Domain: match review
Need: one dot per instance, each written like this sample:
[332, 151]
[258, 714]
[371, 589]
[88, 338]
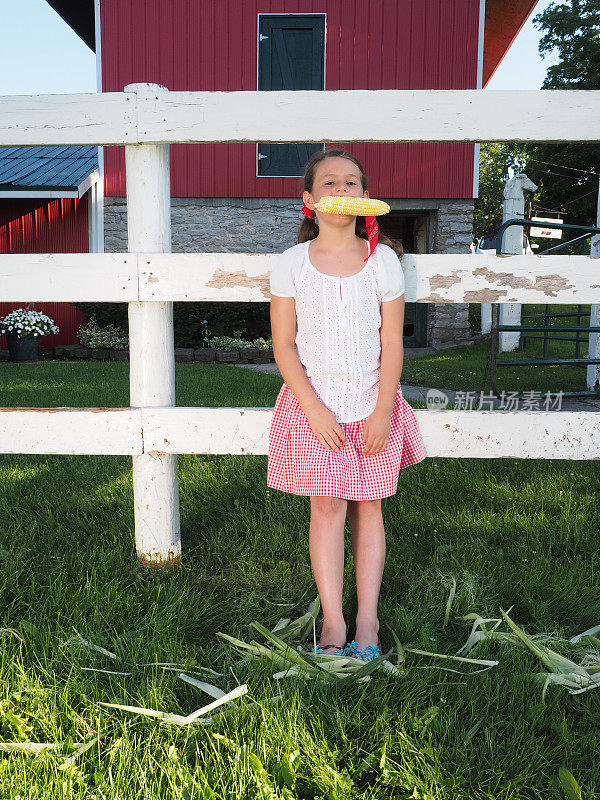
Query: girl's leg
[368, 545]
[326, 545]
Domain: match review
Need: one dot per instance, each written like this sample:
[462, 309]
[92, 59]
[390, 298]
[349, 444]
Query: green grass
[512, 533]
[464, 368]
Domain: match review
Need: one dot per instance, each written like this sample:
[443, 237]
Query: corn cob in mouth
[353, 206]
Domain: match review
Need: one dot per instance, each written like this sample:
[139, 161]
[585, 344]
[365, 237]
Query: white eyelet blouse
[337, 325]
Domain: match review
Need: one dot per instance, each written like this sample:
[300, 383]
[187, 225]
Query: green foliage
[250, 320]
[93, 336]
[235, 343]
[494, 160]
[566, 174]
[569, 785]
[572, 29]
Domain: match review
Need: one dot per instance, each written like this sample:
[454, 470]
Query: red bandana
[308, 212]
[373, 232]
[371, 223]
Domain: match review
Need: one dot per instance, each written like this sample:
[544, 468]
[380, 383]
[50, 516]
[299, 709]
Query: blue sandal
[362, 654]
[319, 650]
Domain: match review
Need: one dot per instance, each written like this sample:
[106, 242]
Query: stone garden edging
[247, 355]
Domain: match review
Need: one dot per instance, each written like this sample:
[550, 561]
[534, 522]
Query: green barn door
[291, 56]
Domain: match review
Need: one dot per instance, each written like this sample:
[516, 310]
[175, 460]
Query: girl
[341, 429]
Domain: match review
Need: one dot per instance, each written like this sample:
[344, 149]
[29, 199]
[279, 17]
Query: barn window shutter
[291, 56]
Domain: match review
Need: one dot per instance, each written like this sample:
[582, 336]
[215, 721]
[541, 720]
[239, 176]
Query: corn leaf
[95, 647]
[480, 661]
[213, 691]
[449, 603]
[29, 748]
[81, 748]
[554, 661]
[476, 635]
[164, 716]
[364, 670]
[589, 632]
[296, 656]
[302, 626]
[292, 672]
[104, 671]
[226, 698]
[400, 657]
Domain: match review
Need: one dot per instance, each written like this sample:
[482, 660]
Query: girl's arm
[283, 330]
[392, 353]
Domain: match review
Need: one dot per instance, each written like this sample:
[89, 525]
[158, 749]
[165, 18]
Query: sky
[40, 54]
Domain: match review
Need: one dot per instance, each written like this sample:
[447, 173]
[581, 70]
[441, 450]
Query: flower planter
[23, 348]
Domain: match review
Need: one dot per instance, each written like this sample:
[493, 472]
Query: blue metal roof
[48, 167]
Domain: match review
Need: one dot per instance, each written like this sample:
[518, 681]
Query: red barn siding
[370, 44]
[45, 226]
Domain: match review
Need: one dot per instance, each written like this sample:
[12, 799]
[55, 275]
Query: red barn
[247, 197]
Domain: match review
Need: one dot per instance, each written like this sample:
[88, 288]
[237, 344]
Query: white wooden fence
[146, 118]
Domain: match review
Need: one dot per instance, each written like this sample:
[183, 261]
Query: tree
[495, 158]
[567, 173]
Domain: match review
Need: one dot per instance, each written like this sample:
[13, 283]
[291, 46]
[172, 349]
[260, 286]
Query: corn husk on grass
[295, 661]
[352, 206]
[198, 717]
[561, 670]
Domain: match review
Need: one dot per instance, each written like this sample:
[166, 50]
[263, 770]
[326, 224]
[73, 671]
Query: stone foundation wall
[448, 323]
[216, 224]
[270, 225]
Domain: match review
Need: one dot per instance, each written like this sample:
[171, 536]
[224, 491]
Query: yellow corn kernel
[353, 206]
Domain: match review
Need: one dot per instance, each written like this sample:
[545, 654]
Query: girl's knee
[364, 506]
[330, 506]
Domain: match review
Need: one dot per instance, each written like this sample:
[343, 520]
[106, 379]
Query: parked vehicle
[486, 245]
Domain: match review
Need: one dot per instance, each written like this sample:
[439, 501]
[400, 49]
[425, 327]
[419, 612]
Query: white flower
[23, 322]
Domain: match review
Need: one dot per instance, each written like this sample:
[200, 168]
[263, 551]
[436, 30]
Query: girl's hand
[376, 432]
[326, 428]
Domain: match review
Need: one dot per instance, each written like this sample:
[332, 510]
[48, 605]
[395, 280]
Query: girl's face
[335, 176]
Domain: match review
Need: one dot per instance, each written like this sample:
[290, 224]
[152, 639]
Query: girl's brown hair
[309, 228]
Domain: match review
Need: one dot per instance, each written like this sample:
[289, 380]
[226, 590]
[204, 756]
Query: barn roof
[62, 170]
[79, 15]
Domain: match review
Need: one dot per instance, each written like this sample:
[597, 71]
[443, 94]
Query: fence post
[512, 208]
[151, 346]
[593, 371]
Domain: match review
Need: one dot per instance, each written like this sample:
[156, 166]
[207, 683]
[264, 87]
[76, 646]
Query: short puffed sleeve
[282, 276]
[391, 275]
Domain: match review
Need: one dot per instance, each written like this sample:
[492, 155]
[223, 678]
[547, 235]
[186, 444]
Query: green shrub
[250, 320]
[95, 337]
[237, 343]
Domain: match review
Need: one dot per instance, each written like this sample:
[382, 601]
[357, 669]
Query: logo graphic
[436, 399]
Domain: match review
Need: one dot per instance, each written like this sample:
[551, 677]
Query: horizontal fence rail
[380, 115]
[244, 431]
[244, 277]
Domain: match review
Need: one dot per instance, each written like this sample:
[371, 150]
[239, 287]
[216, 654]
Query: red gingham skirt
[298, 463]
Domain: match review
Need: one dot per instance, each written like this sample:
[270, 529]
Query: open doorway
[413, 230]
